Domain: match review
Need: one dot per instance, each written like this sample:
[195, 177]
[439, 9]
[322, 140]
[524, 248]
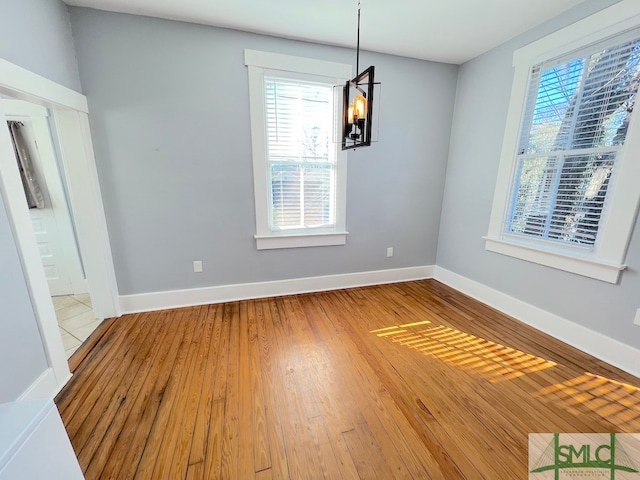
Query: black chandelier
[357, 114]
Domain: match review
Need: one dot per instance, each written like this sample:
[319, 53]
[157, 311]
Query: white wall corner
[589, 341]
[147, 302]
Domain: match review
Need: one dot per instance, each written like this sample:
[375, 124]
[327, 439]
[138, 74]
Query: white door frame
[70, 113]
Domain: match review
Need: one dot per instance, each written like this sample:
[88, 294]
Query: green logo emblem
[584, 455]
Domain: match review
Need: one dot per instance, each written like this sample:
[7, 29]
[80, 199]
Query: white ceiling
[451, 31]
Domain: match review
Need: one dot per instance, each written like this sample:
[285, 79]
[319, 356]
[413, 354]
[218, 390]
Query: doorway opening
[68, 112]
[46, 193]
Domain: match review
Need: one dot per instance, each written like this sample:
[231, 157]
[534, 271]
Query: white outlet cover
[197, 266]
[636, 321]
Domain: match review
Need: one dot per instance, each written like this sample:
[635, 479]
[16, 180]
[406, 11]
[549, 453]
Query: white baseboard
[147, 302]
[45, 386]
[80, 287]
[600, 346]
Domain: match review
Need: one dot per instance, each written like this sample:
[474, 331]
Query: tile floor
[75, 320]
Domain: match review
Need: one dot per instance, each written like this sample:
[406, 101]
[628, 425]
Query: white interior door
[52, 225]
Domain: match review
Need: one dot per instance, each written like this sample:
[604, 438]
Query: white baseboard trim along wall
[147, 302]
[45, 386]
[600, 346]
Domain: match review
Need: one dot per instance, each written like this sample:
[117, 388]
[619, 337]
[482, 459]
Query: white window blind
[575, 124]
[301, 156]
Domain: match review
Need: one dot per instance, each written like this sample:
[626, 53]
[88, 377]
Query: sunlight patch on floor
[618, 402]
[463, 350]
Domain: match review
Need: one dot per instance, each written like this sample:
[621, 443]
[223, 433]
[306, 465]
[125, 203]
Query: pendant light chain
[358, 44]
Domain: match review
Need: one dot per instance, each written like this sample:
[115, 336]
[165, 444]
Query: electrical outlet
[636, 321]
[197, 266]
[390, 252]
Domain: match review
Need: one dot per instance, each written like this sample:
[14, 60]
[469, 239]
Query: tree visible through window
[575, 124]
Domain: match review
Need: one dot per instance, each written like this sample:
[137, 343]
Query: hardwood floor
[410, 380]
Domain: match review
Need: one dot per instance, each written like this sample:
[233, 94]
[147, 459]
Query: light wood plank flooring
[410, 380]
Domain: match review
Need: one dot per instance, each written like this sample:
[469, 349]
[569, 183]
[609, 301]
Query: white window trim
[336, 73]
[605, 261]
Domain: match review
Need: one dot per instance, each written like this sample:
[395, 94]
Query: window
[575, 124]
[299, 168]
[562, 199]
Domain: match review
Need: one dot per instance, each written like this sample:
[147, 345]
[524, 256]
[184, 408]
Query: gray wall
[22, 357]
[484, 87]
[170, 122]
[36, 35]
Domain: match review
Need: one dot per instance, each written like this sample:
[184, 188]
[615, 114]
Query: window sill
[585, 266]
[274, 241]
